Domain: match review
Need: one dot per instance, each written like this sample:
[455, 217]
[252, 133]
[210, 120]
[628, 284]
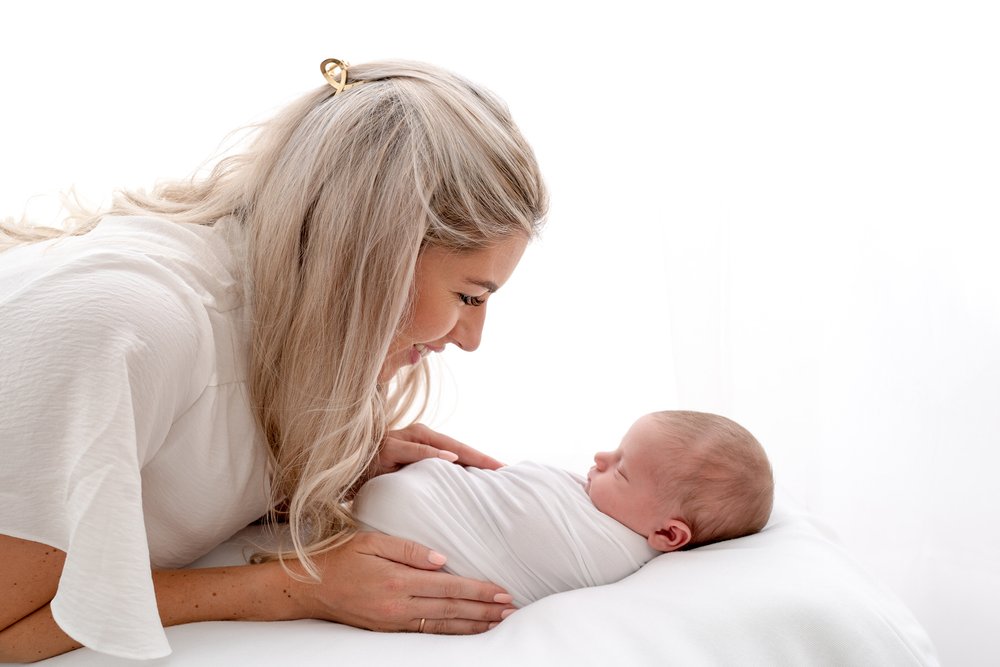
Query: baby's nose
[601, 459]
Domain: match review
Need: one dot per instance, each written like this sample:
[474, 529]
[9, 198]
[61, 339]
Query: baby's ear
[672, 535]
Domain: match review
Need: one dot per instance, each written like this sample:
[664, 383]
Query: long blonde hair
[337, 195]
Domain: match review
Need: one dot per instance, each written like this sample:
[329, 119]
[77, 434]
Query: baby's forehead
[652, 443]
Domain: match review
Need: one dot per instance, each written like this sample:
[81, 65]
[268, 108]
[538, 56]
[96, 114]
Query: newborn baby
[679, 479]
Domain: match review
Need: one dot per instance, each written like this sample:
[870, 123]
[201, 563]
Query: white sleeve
[97, 357]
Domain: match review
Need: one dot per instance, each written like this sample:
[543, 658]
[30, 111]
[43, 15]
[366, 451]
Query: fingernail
[507, 612]
[447, 456]
[491, 626]
[437, 558]
[503, 598]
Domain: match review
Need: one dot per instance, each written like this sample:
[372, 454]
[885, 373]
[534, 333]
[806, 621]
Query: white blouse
[126, 437]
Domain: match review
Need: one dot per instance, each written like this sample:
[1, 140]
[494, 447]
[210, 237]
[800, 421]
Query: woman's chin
[396, 361]
[390, 369]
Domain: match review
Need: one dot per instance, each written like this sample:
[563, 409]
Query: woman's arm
[28, 580]
[183, 596]
[375, 581]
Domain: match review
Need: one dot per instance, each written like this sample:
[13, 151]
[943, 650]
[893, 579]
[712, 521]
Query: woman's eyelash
[472, 300]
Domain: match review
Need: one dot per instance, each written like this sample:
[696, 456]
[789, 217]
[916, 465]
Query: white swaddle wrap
[528, 527]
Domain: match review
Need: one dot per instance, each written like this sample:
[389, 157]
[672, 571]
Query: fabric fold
[126, 438]
[529, 528]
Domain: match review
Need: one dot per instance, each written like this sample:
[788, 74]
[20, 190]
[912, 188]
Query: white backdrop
[774, 210]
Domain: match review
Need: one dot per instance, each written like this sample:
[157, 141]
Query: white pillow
[789, 595]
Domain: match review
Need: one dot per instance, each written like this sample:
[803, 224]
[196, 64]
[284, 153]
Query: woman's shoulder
[145, 293]
[130, 254]
[205, 258]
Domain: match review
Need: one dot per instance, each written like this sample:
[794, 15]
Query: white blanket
[529, 528]
[790, 595]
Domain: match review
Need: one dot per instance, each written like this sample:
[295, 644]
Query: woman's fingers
[458, 617]
[453, 626]
[467, 456]
[406, 552]
[442, 608]
[438, 594]
[438, 443]
[430, 585]
[386, 583]
[396, 453]
[450, 587]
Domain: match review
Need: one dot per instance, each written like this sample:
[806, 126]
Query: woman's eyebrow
[487, 285]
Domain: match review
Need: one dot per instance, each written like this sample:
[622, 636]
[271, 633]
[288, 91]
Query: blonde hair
[338, 194]
[716, 476]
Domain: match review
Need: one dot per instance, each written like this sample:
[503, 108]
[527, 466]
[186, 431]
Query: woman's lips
[419, 350]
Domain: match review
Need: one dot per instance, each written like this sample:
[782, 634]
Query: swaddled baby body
[529, 528]
[679, 479]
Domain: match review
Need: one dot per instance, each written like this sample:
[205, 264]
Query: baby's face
[622, 483]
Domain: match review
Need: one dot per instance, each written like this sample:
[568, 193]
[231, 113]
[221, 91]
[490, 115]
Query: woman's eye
[472, 300]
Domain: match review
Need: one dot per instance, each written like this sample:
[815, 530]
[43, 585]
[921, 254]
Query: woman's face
[451, 289]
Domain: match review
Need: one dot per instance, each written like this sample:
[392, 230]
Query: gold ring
[421, 628]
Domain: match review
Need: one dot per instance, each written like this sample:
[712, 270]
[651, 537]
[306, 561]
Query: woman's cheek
[434, 323]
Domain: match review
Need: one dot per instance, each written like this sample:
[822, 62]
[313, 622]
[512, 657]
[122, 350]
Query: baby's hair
[720, 478]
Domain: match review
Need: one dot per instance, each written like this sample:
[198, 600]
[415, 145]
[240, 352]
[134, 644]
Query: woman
[223, 347]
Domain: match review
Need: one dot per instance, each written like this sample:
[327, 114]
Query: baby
[678, 480]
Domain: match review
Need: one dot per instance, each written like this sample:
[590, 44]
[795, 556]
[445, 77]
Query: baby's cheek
[599, 496]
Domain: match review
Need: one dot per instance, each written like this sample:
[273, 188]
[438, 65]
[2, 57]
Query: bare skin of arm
[375, 581]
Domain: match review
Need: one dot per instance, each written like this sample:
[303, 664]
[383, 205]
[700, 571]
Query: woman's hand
[417, 442]
[389, 584]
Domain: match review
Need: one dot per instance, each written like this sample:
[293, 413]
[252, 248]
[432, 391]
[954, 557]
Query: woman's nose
[468, 331]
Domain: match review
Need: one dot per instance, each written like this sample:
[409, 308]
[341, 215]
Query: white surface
[789, 595]
[778, 210]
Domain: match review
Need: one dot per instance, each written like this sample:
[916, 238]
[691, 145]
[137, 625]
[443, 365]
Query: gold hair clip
[335, 72]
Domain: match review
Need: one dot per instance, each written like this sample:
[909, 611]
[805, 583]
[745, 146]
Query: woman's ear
[672, 535]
